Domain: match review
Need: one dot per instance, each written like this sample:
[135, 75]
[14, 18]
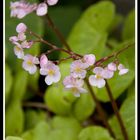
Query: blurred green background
[89, 26]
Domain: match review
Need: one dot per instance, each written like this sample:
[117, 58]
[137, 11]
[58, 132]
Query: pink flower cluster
[22, 8]
[79, 69]
[47, 68]
[20, 41]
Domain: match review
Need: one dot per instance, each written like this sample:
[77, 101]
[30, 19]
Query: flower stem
[116, 111]
[58, 33]
[99, 109]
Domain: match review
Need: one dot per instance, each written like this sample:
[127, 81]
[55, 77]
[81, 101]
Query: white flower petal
[107, 74]
[48, 80]
[100, 83]
[93, 80]
[43, 71]
[19, 52]
[123, 71]
[32, 69]
[112, 66]
[98, 70]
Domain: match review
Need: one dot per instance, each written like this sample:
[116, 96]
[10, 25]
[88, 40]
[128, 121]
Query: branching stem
[116, 111]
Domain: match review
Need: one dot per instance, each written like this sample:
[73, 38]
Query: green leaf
[33, 117]
[90, 31]
[40, 132]
[32, 21]
[57, 98]
[85, 102]
[13, 138]
[64, 128]
[8, 82]
[94, 133]
[14, 119]
[63, 134]
[129, 26]
[116, 22]
[59, 122]
[118, 83]
[20, 85]
[127, 113]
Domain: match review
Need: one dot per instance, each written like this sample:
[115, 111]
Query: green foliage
[59, 122]
[33, 117]
[13, 138]
[90, 31]
[19, 88]
[86, 103]
[129, 26]
[129, 62]
[127, 112]
[8, 82]
[94, 133]
[14, 119]
[58, 100]
[40, 132]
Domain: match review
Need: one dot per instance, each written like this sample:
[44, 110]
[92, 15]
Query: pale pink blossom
[13, 39]
[75, 85]
[97, 80]
[21, 28]
[52, 2]
[21, 8]
[43, 61]
[77, 69]
[29, 63]
[52, 73]
[18, 51]
[26, 44]
[21, 36]
[122, 69]
[42, 9]
[89, 59]
[112, 66]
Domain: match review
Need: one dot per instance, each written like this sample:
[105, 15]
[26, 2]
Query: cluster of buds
[22, 8]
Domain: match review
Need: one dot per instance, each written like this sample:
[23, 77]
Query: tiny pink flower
[21, 28]
[52, 2]
[89, 59]
[18, 51]
[97, 80]
[107, 73]
[42, 9]
[122, 69]
[112, 66]
[21, 36]
[13, 39]
[21, 8]
[75, 85]
[52, 73]
[77, 69]
[26, 44]
[43, 61]
[29, 63]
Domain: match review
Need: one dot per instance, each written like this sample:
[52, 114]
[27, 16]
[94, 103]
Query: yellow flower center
[98, 76]
[18, 49]
[29, 62]
[51, 72]
[77, 70]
